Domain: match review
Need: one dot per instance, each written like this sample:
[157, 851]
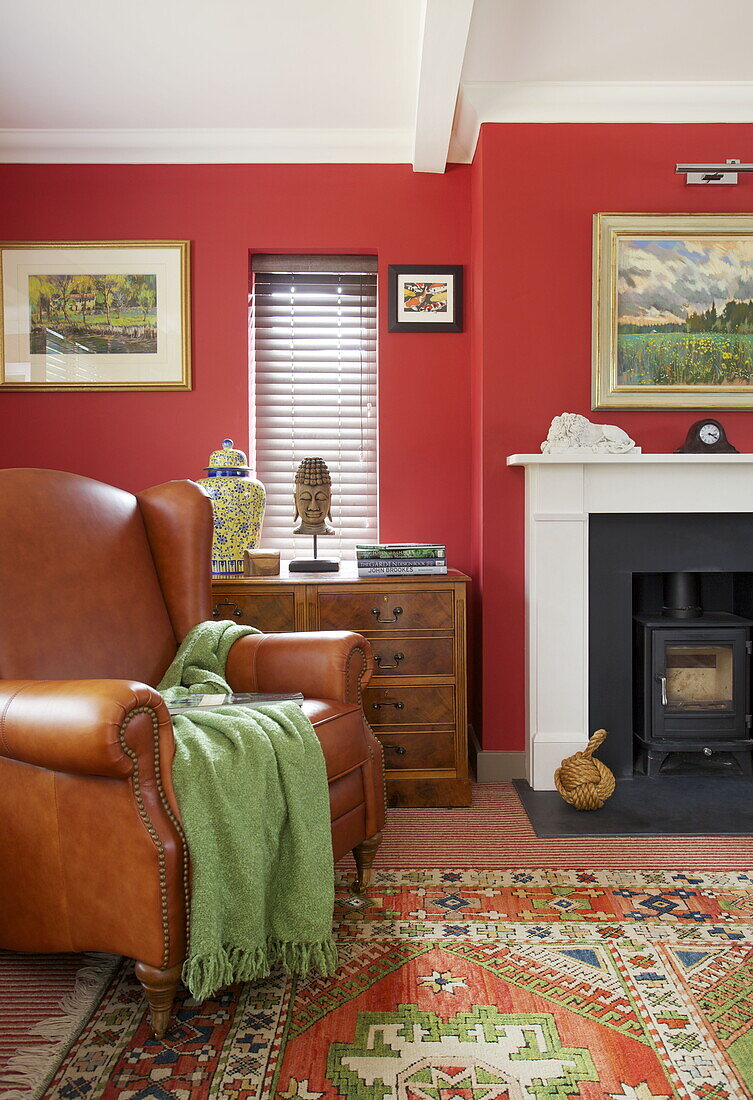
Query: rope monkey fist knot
[583, 782]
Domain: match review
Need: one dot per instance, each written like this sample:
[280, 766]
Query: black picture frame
[401, 319]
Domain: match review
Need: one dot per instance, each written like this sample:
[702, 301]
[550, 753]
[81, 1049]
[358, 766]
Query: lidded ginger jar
[238, 502]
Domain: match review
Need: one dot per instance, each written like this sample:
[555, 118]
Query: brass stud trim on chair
[149, 824]
[178, 827]
[351, 655]
[371, 740]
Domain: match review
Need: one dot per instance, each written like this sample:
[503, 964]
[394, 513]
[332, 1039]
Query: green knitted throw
[252, 790]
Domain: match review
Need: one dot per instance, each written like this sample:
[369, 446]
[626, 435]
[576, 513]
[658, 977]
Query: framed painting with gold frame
[95, 315]
[673, 311]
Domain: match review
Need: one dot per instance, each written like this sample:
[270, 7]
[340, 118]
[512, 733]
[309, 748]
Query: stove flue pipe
[682, 596]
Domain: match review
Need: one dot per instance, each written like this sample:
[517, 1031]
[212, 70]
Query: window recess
[314, 386]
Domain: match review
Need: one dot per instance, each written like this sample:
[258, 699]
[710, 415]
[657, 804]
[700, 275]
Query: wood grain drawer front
[418, 750]
[409, 706]
[271, 612]
[413, 656]
[379, 610]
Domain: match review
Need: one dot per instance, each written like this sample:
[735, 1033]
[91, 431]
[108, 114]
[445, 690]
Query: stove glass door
[699, 677]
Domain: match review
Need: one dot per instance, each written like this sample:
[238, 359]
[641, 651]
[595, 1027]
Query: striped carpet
[495, 833]
[31, 989]
[44, 1002]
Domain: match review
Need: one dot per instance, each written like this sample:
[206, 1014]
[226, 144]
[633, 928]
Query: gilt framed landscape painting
[95, 315]
[673, 311]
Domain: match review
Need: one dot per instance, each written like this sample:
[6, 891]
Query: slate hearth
[707, 805]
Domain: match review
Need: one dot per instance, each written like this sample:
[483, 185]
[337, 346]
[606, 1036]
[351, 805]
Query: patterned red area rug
[468, 985]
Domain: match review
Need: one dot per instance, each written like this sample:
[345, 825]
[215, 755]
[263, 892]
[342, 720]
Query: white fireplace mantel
[561, 492]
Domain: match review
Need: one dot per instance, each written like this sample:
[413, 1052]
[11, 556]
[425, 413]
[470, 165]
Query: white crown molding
[215, 146]
[592, 101]
[552, 101]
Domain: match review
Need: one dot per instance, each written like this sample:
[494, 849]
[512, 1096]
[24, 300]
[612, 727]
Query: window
[314, 331]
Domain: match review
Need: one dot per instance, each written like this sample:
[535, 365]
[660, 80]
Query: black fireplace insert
[692, 682]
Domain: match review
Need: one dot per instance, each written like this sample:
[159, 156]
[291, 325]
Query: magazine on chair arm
[237, 699]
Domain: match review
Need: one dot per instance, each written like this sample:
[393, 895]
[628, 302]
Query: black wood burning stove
[692, 681]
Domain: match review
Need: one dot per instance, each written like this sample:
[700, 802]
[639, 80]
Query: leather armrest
[87, 727]
[325, 664]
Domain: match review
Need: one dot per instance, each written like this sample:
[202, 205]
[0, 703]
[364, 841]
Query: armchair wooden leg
[363, 854]
[160, 987]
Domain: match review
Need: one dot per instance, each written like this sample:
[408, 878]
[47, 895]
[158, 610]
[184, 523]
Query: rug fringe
[205, 974]
[302, 958]
[28, 1068]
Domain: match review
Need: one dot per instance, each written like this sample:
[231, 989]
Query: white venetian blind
[314, 332]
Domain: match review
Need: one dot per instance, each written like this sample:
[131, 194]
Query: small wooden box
[262, 563]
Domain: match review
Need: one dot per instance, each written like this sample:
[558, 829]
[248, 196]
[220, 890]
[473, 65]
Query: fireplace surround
[600, 531]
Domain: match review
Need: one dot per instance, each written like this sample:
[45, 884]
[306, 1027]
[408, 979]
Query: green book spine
[401, 551]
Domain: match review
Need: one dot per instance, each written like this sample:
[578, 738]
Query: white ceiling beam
[444, 33]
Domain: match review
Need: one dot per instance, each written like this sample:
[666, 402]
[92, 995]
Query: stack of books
[387, 559]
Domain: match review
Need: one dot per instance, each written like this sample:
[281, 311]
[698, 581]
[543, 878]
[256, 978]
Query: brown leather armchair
[97, 590]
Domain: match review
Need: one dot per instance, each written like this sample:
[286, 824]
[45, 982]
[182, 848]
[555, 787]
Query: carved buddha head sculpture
[313, 498]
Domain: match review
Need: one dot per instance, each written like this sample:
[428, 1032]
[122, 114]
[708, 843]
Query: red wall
[226, 211]
[532, 234]
[452, 406]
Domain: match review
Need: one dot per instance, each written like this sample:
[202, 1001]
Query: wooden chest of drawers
[416, 702]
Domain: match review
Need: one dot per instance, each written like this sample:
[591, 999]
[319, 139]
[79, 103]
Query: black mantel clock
[706, 437]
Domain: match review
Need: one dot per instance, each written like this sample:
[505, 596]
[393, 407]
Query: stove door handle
[663, 681]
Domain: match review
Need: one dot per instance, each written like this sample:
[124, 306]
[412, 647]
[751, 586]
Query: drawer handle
[378, 706]
[396, 657]
[395, 613]
[237, 611]
[399, 749]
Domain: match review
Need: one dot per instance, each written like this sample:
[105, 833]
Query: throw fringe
[29, 1070]
[205, 974]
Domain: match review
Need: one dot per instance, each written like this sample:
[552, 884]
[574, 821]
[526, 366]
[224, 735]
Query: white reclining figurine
[573, 432]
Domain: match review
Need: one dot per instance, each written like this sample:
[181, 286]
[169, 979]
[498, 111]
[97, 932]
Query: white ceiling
[607, 40]
[352, 80]
[288, 64]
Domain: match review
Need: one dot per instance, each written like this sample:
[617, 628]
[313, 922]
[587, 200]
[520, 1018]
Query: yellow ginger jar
[238, 502]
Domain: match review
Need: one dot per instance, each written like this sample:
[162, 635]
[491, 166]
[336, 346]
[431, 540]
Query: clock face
[709, 434]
